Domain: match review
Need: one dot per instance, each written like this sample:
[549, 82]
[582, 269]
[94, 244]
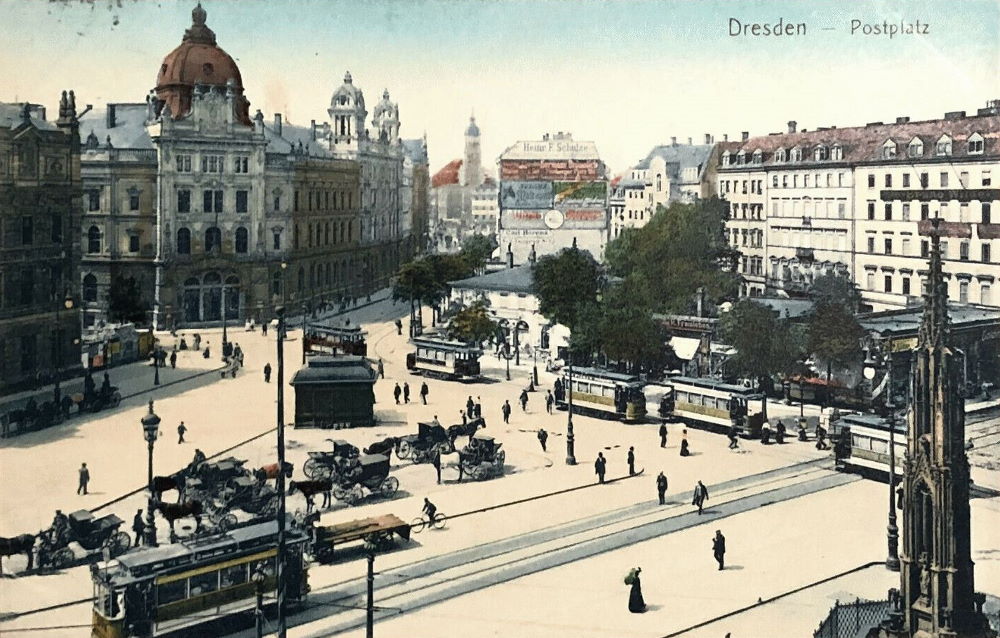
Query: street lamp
[56, 391]
[892, 530]
[570, 439]
[156, 362]
[280, 481]
[259, 577]
[150, 430]
[225, 340]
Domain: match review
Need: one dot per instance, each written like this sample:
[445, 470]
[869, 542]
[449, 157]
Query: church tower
[937, 596]
[347, 115]
[472, 164]
[385, 120]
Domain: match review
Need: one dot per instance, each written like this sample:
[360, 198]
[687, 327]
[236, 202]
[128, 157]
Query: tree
[414, 282]
[764, 343]
[834, 334]
[472, 324]
[125, 301]
[565, 284]
[477, 250]
[835, 289]
[629, 334]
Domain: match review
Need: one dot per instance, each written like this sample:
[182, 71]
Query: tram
[335, 340]
[196, 587]
[440, 357]
[604, 394]
[863, 444]
[712, 404]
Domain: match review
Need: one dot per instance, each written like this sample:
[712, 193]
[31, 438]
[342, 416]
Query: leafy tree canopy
[834, 334]
[764, 343]
[835, 289]
[566, 283]
[472, 324]
[477, 250]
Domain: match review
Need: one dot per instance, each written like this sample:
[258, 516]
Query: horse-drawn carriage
[370, 473]
[95, 401]
[482, 458]
[82, 537]
[421, 447]
[325, 465]
[379, 530]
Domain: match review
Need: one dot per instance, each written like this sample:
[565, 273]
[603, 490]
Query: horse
[310, 489]
[385, 446]
[174, 511]
[163, 484]
[22, 544]
[468, 429]
[271, 472]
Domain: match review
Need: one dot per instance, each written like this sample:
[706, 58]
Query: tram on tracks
[604, 394]
[321, 339]
[714, 405]
[445, 358]
[199, 586]
[863, 445]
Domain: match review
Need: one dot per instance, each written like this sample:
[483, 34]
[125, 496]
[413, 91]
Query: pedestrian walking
[479, 407]
[779, 433]
[381, 368]
[685, 450]
[173, 360]
[396, 392]
[803, 436]
[399, 327]
[600, 466]
[765, 434]
[631, 461]
[423, 392]
[406, 392]
[719, 549]
[505, 409]
[267, 373]
[436, 460]
[470, 407]
[636, 604]
[821, 438]
[733, 435]
[263, 329]
[661, 488]
[549, 401]
[138, 527]
[700, 496]
[524, 400]
[84, 479]
[543, 436]
[663, 435]
[197, 341]
[181, 429]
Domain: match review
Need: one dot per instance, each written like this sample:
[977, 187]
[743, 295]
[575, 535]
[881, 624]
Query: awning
[685, 347]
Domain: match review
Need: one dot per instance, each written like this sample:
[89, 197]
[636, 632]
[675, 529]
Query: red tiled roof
[447, 175]
[864, 143]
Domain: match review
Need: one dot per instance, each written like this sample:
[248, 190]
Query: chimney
[277, 123]
[673, 140]
[902, 119]
[690, 141]
[725, 137]
[510, 256]
[791, 126]
[708, 139]
[745, 135]
[954, 115]
[111, 115]
[700, 300]
[313, 127]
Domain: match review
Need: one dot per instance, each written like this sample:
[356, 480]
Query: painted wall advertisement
[580, 195]
[526, 195]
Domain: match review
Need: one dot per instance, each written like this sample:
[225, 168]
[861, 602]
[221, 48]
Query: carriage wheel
[119, 543]
[116, 398]
[390, 485]
[339, 493]
[227, 522]
[405, 450]
[309, 469]
[63, 558]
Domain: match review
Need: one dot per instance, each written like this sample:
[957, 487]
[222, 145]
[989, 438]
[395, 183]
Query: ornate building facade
[39, 242]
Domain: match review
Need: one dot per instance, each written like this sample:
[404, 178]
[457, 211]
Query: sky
[626, 74]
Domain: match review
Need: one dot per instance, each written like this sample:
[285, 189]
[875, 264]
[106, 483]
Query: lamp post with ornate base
[150, 430]
[570, 439]
[892, 529]
[280, 480]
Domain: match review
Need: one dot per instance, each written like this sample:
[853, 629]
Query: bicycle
[420, 522]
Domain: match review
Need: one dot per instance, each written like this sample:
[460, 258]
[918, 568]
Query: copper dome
[198, 60]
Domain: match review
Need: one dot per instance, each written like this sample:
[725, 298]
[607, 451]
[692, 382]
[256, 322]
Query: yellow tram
[603, 393]
[713, 404]
[437, 356]
[200, 586]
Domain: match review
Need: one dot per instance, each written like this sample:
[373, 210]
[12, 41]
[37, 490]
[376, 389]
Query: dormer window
[837, 153]
[821, 153]
[779, 155]
[758, 157]
[943, 146]
[796, 154]
[725, 158]
[889, 150]
[975, 144]
[741, 158]
[915, 148]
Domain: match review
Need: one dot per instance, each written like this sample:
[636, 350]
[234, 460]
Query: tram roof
[606, 374]
[340, 369]
[872, 421]
[443, 343]
[712, 384]
[353, 331]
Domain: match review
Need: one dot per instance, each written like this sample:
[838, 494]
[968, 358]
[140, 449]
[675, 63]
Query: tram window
[204, 583]
[171, 592]
[608, 392]
[880, 447]
[232, 576]
[681, 397]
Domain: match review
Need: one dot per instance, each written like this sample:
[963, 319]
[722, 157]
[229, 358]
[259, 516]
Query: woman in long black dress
[636, 604]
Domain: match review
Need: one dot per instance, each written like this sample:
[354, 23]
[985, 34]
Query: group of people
[405, 392]
[636, 602]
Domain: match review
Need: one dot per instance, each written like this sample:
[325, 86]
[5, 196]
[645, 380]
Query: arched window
[779, 155]
[329, 274]
[350, 230]
[796, 154]
[183, 241]
[213, 240]
[90, 288]
[312, 275]
[94, 240]
[821, 153]
[725, 158]
[326, 241]
[758, 157]
[659, 182]
[242, 239]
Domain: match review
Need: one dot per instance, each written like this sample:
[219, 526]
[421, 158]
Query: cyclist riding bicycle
[430, 509]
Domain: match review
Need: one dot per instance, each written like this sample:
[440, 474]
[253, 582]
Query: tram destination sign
[942, 195]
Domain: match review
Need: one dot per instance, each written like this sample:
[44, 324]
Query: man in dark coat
[661, 488]
[543, 436]
[733, 435]
[523, 399]
[663, 435]
[549, 401]
[396, 392]
[84, 479]
[399, 327]
[381, 369]
[423, 392]
[406, 392]
[267, 373]
[719, 549]
[470, 407]
[479, 407]
[505, 409]
[173, 359]
[631, 461]
[700, 496]
[138, 527]
[181, 429]
[436, 460]
[600, 466]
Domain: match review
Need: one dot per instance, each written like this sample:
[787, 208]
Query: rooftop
[123, 123]
[11, 116]
[907, 320]
[558, 148]
[516, 279]
[335, 369]
[681, 155]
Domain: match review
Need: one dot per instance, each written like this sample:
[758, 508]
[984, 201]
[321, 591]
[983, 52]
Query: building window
[889, 150]
[924, 248]
[916, 148]
[870, 281]
[906, 212]
[986, 252]
[944, 249]
[213, 240]
[963, 292]
[838, 153]
[133, 199]
[57, 228]
[871, 210]
[90, 288]
[241, 164]
[944, 180]
[212, 163]
[277, 203]
[796, 154]
[976, 144]
[212, 201]
[277, 240]
[985, 297]
[888, 245]
[987, 178]
[242, 240]
[27, 230]
[905, 248]
[133, 243]
[887, 281]
[924, 180]
[871, 181]
[93, 240]
[94, 199]
[888, 211]
[944, 145]
[241, 201]
[183, 163]
[183, 201]
[871, 244]
[925, 211]
[986, 212]
[888, 180]
[963, 250]
[183, 241]
[906, 180]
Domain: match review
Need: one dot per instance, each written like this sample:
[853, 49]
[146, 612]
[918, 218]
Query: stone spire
[934, 327]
